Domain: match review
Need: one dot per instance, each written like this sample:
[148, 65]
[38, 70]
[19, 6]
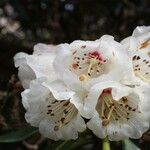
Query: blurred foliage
[24, 23]
[128, 145]
[18, 135]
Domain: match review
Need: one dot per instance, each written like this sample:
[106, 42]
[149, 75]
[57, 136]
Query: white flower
[50, 107]
[138, 47]
[39, 64]
[117, 111]
[87, 62]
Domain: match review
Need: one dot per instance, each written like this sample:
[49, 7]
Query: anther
[105, 122]
[82, 77]
[56, 128]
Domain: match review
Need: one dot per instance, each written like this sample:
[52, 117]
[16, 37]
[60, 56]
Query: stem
[106, 144]
[61, 145]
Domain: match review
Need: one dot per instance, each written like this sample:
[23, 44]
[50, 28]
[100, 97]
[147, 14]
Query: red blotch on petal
[96, 55]
[74, 66]
[108, 91]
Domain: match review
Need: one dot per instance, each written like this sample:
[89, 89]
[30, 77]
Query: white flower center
[114, 111]
[87, 64]
[62, 112]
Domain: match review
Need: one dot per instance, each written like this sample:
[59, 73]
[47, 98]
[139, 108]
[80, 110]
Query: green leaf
[18, 135]
[129, 145]
[60, 145]
[79, 143]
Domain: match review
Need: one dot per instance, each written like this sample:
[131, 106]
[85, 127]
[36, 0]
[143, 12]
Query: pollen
[56, 128]
[82, 77]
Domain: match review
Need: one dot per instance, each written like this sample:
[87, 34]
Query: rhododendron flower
[87, 62]
[117, 111]
[50, 105]
[53, 112]
[138, 47]
[39, 64]
[93, 79]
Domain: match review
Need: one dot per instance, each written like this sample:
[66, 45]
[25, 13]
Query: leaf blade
[19, 135]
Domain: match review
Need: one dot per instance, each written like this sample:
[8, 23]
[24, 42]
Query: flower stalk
[106, 144]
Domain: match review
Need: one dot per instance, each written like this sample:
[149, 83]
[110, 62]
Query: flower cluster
[104, 81]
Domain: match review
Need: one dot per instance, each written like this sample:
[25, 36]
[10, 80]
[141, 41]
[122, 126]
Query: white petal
[69, 131]
[46, 129]
[78, 101]
[140, 35]
[89, 44]
[62, 51]
[79, 123]
[118, 91]
[34, 104]
[117, 132]
[139, 126]
[95, 124]
[26, 73]
[48, 113]
[119, 66]
[39, 64]
[35, 66]
[42, 66]
[59, 89]
[133, 114]
[40, 49]
[126, 42]
[140, 30]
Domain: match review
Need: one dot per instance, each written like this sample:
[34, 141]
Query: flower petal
[25, 73]
[123, 114]
[118, 91]
[59, 89]
[82, 63]
[40, 64]
[56, 118]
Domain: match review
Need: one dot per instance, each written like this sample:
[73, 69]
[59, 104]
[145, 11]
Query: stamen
[87, 65]
[106, 121]
[89, 68]
[111, 110]
[145, 44]
[63, 111]
[137, 73]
